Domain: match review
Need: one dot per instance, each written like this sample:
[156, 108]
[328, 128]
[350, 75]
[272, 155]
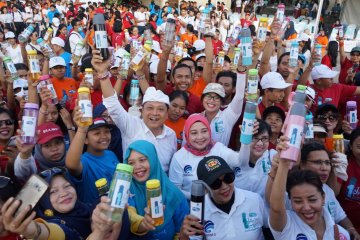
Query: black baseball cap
[99, 122]
[211, 168]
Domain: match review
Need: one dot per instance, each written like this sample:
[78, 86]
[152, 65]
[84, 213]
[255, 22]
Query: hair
[263, 127]
[188, 59]
[10, 190]
[353, 136]
[2, 9]
[252, 30]
[21, 66]
[190, 28]
[117, 27]
[299, 177]
[61, 26]
[151, 18]
[333, 52]
[117, 15]
[11, 116]
[179, 94]
[230, 74]
[311, 147]
[74, 22]
[181, 65]
[282, 56]
[307, 46]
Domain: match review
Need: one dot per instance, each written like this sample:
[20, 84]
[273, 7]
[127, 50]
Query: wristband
[45, 113]
[71, 129]
[104, 77]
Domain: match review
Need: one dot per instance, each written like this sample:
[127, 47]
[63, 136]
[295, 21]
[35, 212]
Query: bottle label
[221, 61]
[295, 135]
[236, 58]
[126, 63]
[52, 89]
[135, 44]
[101, 39]
[246, 50]
[156, 206]
[226, 46]
[89, 78]
[11, 67]
[138, 58]
[262, 34]
[134, 92]
[353, 116]
[121, 194]
[247, 126]
[219, 126]
[86, 108]
[78, 49]
[310, 131]
[34, 65]
[252, 86]
[28, 126]
[179, 51]
[195, 209]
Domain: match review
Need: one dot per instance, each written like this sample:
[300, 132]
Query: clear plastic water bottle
[10, 66]
[125, 65]
[252, 86]
[280, 13]
[48, 33]
[248, 123]
[78, 50]
[89, 76]
[155, 202]
[235, 34]
[309, 126]
[119, 190]
[237, 54]
[318, 51]
[45, 82]
[202, 24]
[24, 36]
[262, 30]
[134, 92]
[294, 54]
[45, 47]
[246, 46]
[29, 123]
[351, 114]
[293, 127]
[169, 31]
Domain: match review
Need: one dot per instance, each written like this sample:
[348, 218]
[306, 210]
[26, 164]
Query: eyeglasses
[7, 122]
[263, 140]
[212, 97]
[320, 162]
[52, 171]
[106, 117]
[4, 182]
[332, 118]
[228, 178]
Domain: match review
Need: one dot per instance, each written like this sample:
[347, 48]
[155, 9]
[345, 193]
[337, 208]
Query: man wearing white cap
[274, 87]
[57, 44]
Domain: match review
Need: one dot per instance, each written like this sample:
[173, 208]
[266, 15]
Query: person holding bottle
[143, 157]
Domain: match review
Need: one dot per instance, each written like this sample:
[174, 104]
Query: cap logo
[49, 130]
[212, 164]
[99, 121]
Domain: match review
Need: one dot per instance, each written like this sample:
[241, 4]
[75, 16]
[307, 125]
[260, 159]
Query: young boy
[97, 162]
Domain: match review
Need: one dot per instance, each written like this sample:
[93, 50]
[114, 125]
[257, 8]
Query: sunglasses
[332, 118]
[228, 178]
[4, 182]
[7, 122]
[48, 173]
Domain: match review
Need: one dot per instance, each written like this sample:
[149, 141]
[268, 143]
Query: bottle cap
[263, 19]
[124, 167]
[348, 103]
[98, 19]
[338, 136]
[301, 88]
[44, 77]
[88, 70]
[83, 90]
[31, 105]
[197, 188]
[134, 81]
[100, 182]
[238, 50]
[7, 59]
[294, 43]
[180, 42]
[170, 20]
[50, 29]
[80, 43]
[153, 183]
[32, 52]
[318, 46]
[309, 116]
[39, 40]
[147, 47]
[253, 72]
[221, 53]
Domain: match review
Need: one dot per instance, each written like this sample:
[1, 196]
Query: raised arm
[160, 81]
[209, 56]
[342, 51]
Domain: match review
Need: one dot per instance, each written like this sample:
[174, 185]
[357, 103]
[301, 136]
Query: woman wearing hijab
[290, 32]
[198, 145]
[142, 156]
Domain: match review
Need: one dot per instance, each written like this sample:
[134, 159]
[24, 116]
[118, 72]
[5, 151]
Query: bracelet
[141, 77]
[45, 113]
[271, 177]
[71, 129]
[38, 232]
[104, 77]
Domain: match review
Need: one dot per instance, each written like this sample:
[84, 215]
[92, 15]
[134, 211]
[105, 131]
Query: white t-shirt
[295, 228]
[29, 17]
[183, 166]
[18, 16]
[244, 221]
[37, 18]
[6, 18]
[15, 54]
[183, 19]
[74, 38]
[140, 16]
[31, 46]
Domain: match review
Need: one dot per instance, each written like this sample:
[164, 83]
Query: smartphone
[31, 192]
[11, 142]
[58, 106]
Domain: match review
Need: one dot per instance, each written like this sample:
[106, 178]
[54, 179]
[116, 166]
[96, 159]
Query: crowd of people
[170, 90]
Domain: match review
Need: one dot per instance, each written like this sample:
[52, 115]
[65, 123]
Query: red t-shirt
[117, 39]
[11, 236]
[218, 46]
[349, 196]
[336, 94]
[126, 17]
[243, 21]
[262, 107]
[326, 60]
[344, 68]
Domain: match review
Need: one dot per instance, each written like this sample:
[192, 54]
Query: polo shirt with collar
[295, 228]
[133, 128]
[244, 221]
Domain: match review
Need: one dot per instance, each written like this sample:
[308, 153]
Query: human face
[62, 195]
[11, 41]
[53, 114]
[105, 115]
[199, 136]
[191, 65]
[182, 79]
[324, 82]
[330, 119]
[154, 115]
[275, 122]
[355, 148]
[259, 144]
[141, 166]
[63, 31]
[34, 36]
[135, 31]
[224, 193]
[355, 57]
[275, 95]
[211, 102]
[53, 150]
[200, 62]
[177, 109]
[226, 82]
[58, 72]
[283, 67]
[56, 48]
[99, 138]
[6, 131]
[308, 203]
[319, 162]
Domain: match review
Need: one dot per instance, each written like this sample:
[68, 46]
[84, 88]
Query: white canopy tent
[350, 12]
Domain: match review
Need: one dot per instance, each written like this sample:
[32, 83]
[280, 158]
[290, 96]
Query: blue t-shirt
[94, 168]
[67, 57]
[168, 231]
[51, 14]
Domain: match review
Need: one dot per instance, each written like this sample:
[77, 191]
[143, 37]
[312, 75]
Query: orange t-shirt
[198, 87]
[178, 127]
[190, 38]
[65, 89]
[292, 36]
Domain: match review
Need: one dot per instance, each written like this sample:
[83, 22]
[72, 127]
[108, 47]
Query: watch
[72, 128]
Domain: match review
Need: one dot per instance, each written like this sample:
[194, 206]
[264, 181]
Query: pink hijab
[188, 123]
